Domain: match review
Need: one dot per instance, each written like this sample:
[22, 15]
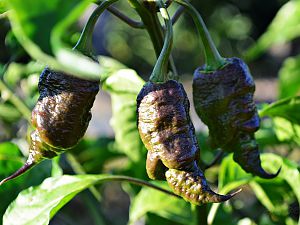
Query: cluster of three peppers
[223, 100]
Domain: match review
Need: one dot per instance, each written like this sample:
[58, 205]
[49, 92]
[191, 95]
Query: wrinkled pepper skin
[60, 117]
[62, 113]
[167, 132]
[223, 100]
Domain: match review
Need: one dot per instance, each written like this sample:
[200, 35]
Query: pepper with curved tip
[60, 117]
[223, 100]
[173, 153]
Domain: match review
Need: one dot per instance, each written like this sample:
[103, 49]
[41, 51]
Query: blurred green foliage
[46, 29]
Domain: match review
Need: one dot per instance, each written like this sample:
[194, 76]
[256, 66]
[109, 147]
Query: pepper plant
[154, 136]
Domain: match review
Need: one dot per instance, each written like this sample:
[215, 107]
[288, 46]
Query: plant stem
[126, 19]
[137, 182]
[154, 29]
[213, 59]
[84, 44]
[160, 70]
[16, 101]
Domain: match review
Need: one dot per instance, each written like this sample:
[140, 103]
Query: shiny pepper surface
[169, 135]
[62, 113]
[224, 102]
[60, 117]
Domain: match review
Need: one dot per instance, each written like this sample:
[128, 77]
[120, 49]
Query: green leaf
[37, 205]
[289, 78]
[289, 171]
[286, 131]
[38, 18]
[39, 27]
[285, 108]
[16, 71]
[284, 27]
[231, 172]
[161, 204]
[124, 85]
[2, 6]
[9, 152]
[56, 169]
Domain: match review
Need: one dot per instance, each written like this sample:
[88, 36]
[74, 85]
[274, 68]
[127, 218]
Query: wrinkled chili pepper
[223, 97]
[168, 133]
[63, 111]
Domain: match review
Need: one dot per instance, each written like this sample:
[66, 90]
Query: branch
[126, 19]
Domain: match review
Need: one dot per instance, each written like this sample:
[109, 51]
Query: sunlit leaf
[286, 131]
[230, 172]
[124, 85]
[288, 109]
[37, 205]
[34, 22]
[289, 78]
[168, 207]
[234, 177]
[284, 27]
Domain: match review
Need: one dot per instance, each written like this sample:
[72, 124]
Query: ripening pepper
[173, 153]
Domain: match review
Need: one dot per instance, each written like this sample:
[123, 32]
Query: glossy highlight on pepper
[60, 117]
[173, 153]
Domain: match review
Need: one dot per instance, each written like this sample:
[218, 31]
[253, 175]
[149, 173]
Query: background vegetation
[38, 33]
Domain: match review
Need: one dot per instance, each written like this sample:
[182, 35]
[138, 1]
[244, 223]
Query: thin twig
[126, 19]
[177, 14]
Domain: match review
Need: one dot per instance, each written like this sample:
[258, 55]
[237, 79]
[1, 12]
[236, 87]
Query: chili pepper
[223, 97]
[168, 133]
[60, 117]
[62, 113]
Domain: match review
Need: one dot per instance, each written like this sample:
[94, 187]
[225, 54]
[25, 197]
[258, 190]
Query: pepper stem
[84, 44]
[213, 59]
[160, 71]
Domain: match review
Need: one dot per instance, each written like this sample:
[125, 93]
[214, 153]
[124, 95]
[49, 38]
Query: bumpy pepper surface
[60, 117]
[169, 135]
[224, 102]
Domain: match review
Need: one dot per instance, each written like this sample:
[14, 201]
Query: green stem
[139, 182]
[151, 23]
[160, 71]
[154, 29]
[84, 43]
[17, 102]
[213, 59]
[126, 19]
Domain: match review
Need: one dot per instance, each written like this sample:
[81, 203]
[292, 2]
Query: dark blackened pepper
[169, 135]
[224, 101]
[223, 97]
[62, 113]
[60, 117]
